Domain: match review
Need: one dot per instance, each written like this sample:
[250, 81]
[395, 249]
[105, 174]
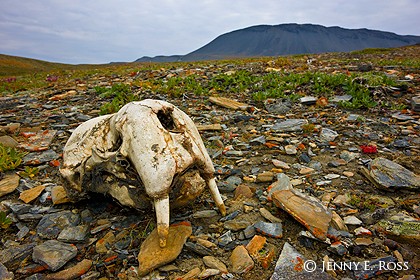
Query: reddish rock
[240, 260]
[256, 244]
[243, 191]
[307, 210]
[152, 256]
[73, 272]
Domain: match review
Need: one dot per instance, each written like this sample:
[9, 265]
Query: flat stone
[363, 241]
[331, 176]
[59, 195]
[337, 222]
[415, 103]
[307, 210]
[37, 158]
[352, 220]
[280, 164]
[31, 194]
[265, 177]
[197, 248]
[74, 234]
[306, 170]
[13, 256]
[278, 106]
[240, 260]
[386, 174]
[72, 272]
[267, 215]
[235, 225]
[308, 100]
[208, 272]
[54, 254]
[340, 98]
[348, 156]
[226, 238]
[39, 141]
[205, 214]
[375, 267]
[152, 256]
[227, 102]
[192, 274]
[8, 141]
[213, 262]
[273, 230]
[249, 232]
[256, 244]
[282, 183]
[243, 191]
[8, 184]
[342, 199]
[401, 227]
[290, 149]
[51, 225]
[290, 125]
[5, 274]
[328, 135]
[338, 248]
[292, 265]
[102, 244]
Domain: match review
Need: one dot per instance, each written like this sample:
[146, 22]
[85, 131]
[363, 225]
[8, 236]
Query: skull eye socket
[165, 118]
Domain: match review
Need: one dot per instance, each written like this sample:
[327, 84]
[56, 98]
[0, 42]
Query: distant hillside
[286, 39]
[16, 65]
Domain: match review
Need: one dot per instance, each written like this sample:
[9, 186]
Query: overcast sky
[101, 31]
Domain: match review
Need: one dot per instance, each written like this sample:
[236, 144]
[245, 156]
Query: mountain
[286, 39]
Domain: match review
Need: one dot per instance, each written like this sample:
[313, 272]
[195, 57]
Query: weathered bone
[158, 139]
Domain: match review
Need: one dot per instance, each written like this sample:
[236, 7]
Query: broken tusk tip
[222, 209]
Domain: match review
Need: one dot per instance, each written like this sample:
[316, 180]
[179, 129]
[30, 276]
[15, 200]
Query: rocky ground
[308, 184]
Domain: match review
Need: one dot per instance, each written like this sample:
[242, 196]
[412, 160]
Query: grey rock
[348, 156]
[328, 134]
[285, 268]
[415, 103]
[274, 230]
[374, 267]
[13, 255]
[74, 234]
[5, 274]
[278, 106]
[51, 225]
[231, 216]
[249, 232]
[225, 239]
[308, 100]
[197, 248]
[205, 214]
[54, 254]
[341, 98]
[289, 125]
[304, 158]
[390, 175]
[258, 140]
[282, 183]
[37, 158]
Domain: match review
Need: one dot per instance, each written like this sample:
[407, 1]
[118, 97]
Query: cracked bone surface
[148, 150]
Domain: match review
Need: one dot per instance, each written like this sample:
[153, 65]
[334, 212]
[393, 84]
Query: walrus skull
[153, 138]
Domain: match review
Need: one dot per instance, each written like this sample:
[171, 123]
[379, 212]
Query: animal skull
[160, 142]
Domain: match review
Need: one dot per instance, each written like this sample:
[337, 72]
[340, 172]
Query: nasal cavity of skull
[165, 118]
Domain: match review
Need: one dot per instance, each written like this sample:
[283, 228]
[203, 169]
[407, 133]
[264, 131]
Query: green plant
[10, 158]
[5, 221]
[121, 94]
[29, 172]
